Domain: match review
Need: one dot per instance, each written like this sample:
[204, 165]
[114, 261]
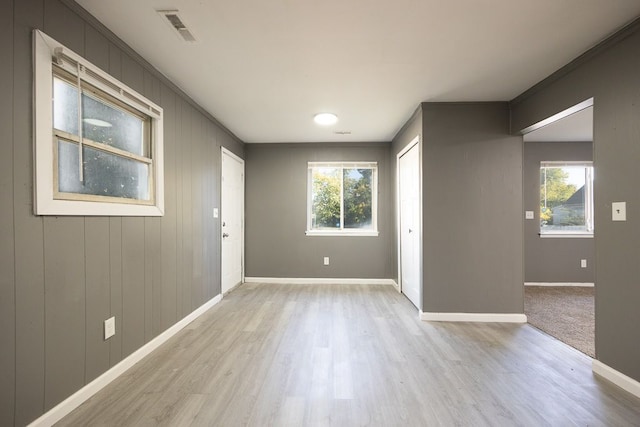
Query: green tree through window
[342, 197]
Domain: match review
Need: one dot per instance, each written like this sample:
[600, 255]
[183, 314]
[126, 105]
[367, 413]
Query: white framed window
[566, 199]
[98, 143]
[342, 199]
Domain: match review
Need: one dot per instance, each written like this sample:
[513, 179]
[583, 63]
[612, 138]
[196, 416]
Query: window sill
[368, 233]
[566, 235]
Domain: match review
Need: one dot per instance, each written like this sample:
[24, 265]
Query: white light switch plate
[215, 212]
[619, 211]
[529, 215]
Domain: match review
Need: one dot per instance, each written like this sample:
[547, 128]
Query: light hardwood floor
[349, 355]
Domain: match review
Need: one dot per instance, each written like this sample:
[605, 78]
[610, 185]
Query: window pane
[357, 198]
[65, 106]
[562, 198]
[105, 174]
[112, 126]
[325, 210]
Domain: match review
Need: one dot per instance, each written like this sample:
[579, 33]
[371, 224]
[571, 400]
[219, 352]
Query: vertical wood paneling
[168, 308]
[199, 235]
[63, 276]
[29, 262]
[209, 221]
[97, 250]
[64, 26]
[96, 48]
[180, 172]
[132, 284]
[115, 287]
[64, 257]
[65, 292]
[152, 232]
[98, 295]
[134, 308]
[187, 209]
[115, 246]
[7, 276]
[153, 265]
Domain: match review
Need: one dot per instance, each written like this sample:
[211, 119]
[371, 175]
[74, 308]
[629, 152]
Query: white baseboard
[474, 317]
[618, 378]
[561, 284]
[56, 413]
[319, 281]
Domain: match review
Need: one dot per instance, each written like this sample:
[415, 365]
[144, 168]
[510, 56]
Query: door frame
[414, 142]
[223, 152]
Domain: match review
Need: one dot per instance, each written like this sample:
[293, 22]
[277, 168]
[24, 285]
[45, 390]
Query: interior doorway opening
[559, 293]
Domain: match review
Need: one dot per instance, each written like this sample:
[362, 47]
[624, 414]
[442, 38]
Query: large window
[566, 199]
[342, 198]
[98, 143]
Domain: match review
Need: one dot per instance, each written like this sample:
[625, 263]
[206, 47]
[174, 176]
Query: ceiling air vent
[173, 19]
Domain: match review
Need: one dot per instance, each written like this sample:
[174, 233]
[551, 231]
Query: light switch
[529, 215]
[215, 212]
[619, 211]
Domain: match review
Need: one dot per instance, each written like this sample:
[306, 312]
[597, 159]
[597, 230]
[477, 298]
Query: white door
[410, 223]
[232, 220]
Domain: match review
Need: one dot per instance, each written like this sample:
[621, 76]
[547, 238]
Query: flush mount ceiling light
[97, 122]
[325, 119]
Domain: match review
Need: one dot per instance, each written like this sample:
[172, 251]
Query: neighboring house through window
[342, 198]
[566, 199]
[98, 143]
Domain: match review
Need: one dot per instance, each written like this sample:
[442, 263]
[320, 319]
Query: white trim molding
[65, 407]
[319, 281]
[562, 284]
[474, 317]
[618, 378]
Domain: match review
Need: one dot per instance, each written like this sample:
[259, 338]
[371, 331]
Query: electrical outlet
[529, 215]
[109, 328]
[326, 260]
[583, 263]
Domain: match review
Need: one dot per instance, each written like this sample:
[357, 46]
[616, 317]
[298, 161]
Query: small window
[342, 199]
[566, 199]
[98, 143]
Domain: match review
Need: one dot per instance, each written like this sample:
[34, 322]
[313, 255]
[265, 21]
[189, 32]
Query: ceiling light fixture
[325, 119]
[97, 122]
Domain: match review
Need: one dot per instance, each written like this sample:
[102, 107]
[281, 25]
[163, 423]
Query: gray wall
[611, 74]
[553, 259]
[276, 215]
[61, 277]
[472, 208]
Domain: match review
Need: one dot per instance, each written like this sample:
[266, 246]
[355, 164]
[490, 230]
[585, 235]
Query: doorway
[232, 270]
[410, 222]
[559, 243]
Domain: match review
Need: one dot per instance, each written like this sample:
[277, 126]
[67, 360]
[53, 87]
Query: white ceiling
[578, 127]
[263, 68]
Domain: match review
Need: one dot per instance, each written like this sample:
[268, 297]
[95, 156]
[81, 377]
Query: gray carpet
[566, 313]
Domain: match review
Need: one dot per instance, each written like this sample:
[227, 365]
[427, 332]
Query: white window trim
[589, 207]
[45, 50]
[348, 232]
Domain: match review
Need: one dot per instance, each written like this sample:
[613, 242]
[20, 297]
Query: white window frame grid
[373, 231]
[47, 51]
[588, 201]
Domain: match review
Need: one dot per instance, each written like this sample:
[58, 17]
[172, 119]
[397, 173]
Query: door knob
[224, 235]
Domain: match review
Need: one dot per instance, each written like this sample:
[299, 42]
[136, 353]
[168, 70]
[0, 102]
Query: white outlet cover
[583, 263]
[109, 328]
[529, 215]
[619, 211]
[326, 260]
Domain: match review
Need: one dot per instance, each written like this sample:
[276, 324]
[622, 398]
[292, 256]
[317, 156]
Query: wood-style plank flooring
[351, 355]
